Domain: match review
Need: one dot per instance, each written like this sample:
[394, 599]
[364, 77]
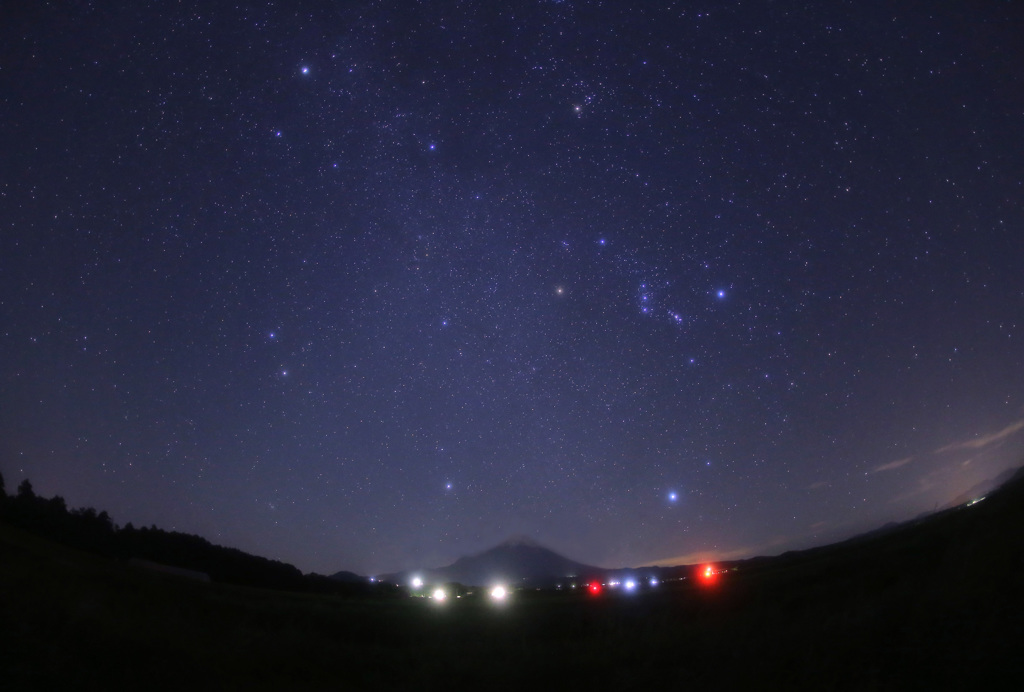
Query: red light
[594, 587]
[707, 573]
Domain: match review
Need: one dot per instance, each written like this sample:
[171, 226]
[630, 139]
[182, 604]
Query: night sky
[372, 285]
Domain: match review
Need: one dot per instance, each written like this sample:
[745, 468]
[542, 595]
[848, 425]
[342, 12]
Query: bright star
[673, 496]
[305, 70]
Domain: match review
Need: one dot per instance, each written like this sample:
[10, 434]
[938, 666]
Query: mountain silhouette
[519, 561]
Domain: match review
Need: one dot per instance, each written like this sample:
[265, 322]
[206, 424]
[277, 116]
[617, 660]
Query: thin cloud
[985, 441]
[701, 556]
[719, 555]
[892, 465]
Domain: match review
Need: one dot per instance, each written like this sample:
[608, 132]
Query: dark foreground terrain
[937, 605]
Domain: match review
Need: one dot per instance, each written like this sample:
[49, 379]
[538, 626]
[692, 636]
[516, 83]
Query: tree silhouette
[95, 531]
[25, 491]
[3, 488]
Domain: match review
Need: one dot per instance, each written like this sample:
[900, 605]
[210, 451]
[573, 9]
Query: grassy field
[936, 606]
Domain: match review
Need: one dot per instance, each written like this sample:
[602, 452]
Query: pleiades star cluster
[372, 285]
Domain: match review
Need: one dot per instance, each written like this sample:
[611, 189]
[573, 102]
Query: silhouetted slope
[982, 489]
[930, 605]
[157, 550]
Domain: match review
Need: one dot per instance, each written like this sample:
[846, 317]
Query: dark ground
[937, 605]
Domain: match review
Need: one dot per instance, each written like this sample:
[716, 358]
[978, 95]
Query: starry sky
[372, 285]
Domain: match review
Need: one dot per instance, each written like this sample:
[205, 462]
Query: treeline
[95, 532]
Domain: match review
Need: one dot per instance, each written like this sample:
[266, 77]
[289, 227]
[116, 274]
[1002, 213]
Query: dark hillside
[931, 605]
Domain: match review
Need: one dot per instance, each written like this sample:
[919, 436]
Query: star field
[369, 286]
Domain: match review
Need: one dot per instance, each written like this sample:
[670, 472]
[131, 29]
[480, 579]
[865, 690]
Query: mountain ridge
[522, 560]
[518, 559]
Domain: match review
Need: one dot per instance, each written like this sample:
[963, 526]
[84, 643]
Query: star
[415, 292]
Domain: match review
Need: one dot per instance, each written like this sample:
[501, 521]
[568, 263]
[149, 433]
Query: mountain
[521, 561]
[346, 576]
[518, 560]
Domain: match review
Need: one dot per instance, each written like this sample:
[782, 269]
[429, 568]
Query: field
[933, 606]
